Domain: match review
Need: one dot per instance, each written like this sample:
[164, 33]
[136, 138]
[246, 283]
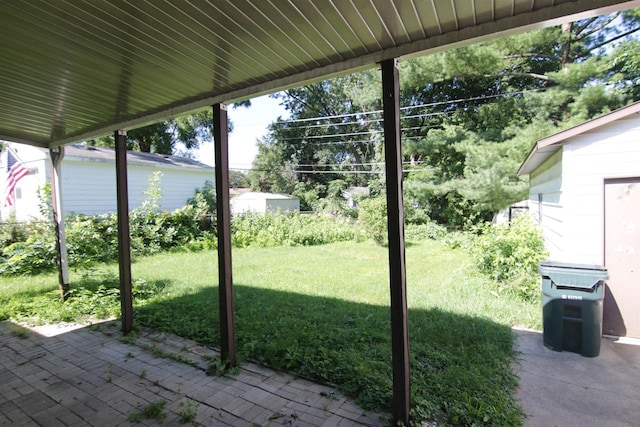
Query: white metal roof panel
[75, 69]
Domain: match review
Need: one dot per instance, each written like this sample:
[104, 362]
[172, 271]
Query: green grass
[323, 312]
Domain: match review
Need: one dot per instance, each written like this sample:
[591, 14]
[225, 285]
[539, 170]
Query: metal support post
[397, 267]
[56, 155]
[124, 237]
[225, 277]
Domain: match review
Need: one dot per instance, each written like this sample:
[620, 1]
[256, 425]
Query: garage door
[622, 257]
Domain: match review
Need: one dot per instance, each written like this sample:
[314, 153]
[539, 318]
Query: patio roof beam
[395, 218]
[225, 278]
[124, 237]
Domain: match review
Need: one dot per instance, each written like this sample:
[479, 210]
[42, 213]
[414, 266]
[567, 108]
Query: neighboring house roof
[355, 191]
[238, 191]
[265, 196]
[101, 154]
[546, 147]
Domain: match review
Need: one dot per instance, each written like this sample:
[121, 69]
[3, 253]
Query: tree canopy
[469, 116]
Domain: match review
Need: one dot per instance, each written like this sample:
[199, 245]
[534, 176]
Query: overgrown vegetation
[509, 255]
[326, 316]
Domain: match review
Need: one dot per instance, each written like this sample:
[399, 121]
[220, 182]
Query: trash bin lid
[573, 275]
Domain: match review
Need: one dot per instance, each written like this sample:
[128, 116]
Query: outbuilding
[89, 179]
[584, 189]
[254, 202]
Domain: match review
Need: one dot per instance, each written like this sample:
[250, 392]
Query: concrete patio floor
[90, 376]
[564, 389]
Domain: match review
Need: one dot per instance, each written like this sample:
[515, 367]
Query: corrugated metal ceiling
[79, 68]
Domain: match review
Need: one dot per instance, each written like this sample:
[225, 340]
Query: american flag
[15, 171]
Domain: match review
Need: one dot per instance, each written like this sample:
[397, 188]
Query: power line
[341, 172]
[410, 107]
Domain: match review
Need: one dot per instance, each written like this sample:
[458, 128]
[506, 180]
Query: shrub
[510, 256]
[276, 229]
[428, 230]
[91, 239]
[206, 195]
[373, 217]
[36, 255]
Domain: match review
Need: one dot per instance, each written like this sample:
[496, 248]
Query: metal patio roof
[75, 69]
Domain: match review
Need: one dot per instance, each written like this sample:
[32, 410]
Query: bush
[429, 230]
[373, 217]
[275, 229]
[510, 256]
[36, 255]
[91, 239]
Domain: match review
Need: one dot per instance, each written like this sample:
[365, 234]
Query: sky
[249, 125]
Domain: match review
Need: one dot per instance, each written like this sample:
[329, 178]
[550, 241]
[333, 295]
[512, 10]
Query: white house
[585, 191]
[353, 194]
[89, 179]
[264, 202]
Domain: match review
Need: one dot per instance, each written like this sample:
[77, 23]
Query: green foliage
[373, 217]
[92, 298]
[326, 317]
[509, 254]
[153, 411]
[429, 230]
[204, 198]
[164, 137]
[153, 194]
[470, 116]
[188, 411]
[12, 231]
[91, 239]
[37, 254]
[294, 229]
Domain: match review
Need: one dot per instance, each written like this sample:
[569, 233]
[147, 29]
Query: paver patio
[90, 376]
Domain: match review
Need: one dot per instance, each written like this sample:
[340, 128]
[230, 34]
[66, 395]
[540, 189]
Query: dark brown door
[622, 257]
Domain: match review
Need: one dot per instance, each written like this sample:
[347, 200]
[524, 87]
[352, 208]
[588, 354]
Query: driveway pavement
[564, 389]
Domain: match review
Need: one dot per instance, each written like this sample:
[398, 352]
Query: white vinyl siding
[566, 192]
[89, 184]
[90, 187]
[545, 190]
[609, 151]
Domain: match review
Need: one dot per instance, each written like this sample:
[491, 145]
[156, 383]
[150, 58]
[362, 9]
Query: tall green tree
[168, 136]
[469, 116]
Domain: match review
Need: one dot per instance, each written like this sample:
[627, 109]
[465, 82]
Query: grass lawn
[323, 312]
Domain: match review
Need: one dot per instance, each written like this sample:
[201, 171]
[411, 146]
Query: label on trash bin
[572, 297]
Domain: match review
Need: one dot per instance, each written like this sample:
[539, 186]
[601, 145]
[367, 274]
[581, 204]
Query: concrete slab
[564, 389]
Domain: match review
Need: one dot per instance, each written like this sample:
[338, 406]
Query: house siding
[607, 152]
[545, 191]
[89, 185]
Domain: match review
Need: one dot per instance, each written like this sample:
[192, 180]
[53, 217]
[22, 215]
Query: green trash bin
[572, 296]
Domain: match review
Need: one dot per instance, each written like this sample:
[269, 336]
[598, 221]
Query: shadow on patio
[91, 376]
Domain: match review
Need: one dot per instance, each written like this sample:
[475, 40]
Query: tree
[329, 136]
[469, 117]
[164, 137]
[237, 179]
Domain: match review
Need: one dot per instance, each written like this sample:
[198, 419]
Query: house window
[33, 171]
[18, 193]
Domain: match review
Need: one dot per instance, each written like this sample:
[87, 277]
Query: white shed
[584, 188]
[89, 179]
[264, 202]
